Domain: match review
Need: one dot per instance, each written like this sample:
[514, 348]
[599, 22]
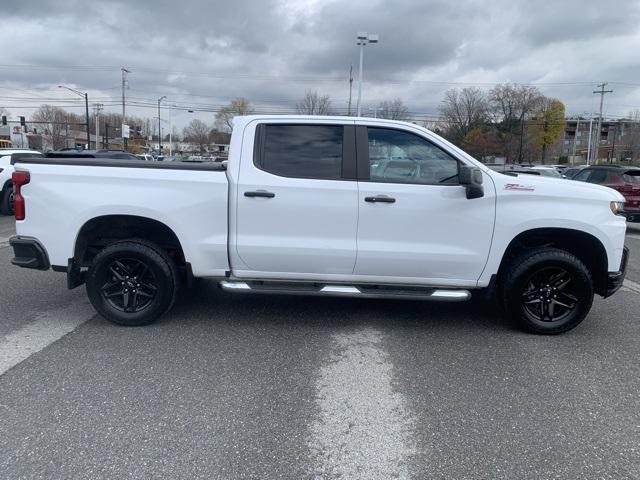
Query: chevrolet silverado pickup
[322, 206]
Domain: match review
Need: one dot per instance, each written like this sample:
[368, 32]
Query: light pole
[363, 38]
[159, 126]
[98, 108]
[171, 129]
[86, 109]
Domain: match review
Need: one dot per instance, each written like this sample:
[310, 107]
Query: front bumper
[29, 253]
[615, 279]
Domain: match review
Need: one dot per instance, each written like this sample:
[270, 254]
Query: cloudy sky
[202, 53]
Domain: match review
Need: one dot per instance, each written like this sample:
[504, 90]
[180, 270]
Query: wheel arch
[585, 246]
[103, 230]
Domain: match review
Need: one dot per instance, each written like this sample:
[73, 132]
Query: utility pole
[589, 143]
[98, 108]
[106, 136]
[575, 138]
[124, 83]
[613, 146]
[86, 110]
[171, 129]
[160, 126]
[350, 88]
[602, 92]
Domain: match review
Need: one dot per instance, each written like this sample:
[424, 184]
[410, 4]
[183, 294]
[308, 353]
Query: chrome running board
[363, 291]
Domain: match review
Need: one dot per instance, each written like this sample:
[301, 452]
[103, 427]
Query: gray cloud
[202, 53]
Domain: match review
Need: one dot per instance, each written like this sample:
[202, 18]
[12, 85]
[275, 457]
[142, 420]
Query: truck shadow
[207, 302]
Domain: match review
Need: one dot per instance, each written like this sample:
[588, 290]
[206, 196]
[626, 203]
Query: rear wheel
[132, 282]
[6, 201]
[547, 291]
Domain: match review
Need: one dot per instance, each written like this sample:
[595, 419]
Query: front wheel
[132, 282]
[547, 291]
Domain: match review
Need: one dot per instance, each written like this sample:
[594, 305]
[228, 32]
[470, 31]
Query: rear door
[297, 201]
[416, 224]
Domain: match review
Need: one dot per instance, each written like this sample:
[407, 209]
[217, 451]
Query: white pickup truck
[322, 206]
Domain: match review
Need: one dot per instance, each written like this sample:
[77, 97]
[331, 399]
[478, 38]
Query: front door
[297, 210]
[415, 223]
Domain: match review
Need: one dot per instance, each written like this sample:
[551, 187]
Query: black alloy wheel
[546, 290]
[132, 286]
[132, 282]
[549, 295]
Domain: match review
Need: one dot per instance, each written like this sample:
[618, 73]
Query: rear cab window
[301, 150]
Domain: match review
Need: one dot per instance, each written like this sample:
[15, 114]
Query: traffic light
[4, 120]
[22, 122]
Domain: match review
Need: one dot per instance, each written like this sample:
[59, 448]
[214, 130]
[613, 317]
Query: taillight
[19, 179]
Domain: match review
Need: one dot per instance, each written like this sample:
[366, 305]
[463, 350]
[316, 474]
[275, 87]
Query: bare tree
[197, 132]
[463, 111]
[54, 120]
[314, 104]
[511, 105]
[393, 110]
[238, 106]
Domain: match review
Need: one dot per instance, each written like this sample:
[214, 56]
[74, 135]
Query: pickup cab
[322, 206]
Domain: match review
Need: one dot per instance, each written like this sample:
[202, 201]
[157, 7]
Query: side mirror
[471, 178]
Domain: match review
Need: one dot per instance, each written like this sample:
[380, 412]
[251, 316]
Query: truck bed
[189, 198]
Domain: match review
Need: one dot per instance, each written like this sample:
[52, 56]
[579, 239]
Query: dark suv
[72, 153]
[624, 180]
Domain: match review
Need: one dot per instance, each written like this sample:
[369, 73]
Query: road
[290, 387]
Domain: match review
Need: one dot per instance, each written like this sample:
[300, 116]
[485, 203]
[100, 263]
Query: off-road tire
[160, 279]
[517, 293]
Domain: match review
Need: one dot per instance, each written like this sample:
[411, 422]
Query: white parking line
[631, 285]
[364, 430]
[4, 241]
[43, 331]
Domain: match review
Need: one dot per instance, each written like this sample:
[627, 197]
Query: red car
[624, 180]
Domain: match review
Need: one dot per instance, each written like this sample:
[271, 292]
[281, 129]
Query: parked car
[297, 209]
[547, 171]
[6, 169]
[527, 170]
[624, 180]
[116, 154]
[198, 158]
[571, 172]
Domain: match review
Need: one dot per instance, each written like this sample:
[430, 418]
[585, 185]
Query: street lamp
[159, 126]
[363, 39]
[86, 108]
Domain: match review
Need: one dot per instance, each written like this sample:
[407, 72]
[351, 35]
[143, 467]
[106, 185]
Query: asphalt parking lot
[279, 387]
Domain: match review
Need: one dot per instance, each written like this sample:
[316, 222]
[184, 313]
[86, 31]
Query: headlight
[617, 208]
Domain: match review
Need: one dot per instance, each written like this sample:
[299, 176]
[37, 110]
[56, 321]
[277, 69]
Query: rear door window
[301, 151]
